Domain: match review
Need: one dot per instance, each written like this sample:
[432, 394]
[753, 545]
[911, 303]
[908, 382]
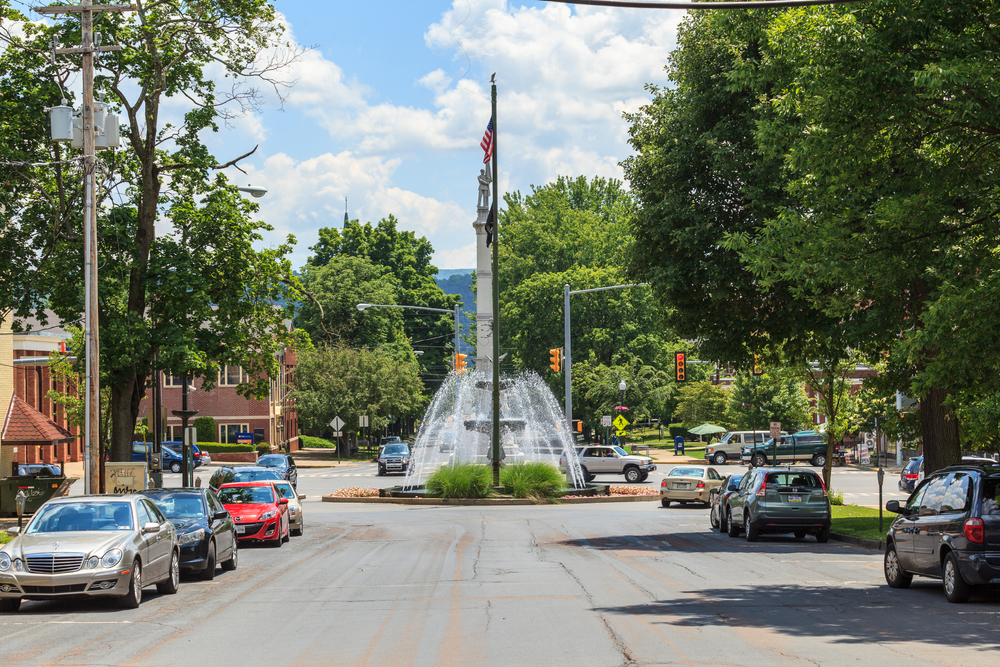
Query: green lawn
[4, 537]
[860, 521]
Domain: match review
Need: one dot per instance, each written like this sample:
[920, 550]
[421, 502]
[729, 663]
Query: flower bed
[356, 492]
[621, 490]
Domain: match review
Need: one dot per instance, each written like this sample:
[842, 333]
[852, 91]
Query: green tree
[207, 432]
[756, 400]
[700, 403]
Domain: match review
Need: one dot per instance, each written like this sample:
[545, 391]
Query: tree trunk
[124, 409]
[940, 431]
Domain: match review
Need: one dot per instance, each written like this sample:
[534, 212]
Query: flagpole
[496, 301]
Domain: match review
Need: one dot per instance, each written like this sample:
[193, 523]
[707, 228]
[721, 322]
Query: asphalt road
[608, 585]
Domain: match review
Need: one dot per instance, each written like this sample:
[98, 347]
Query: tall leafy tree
[700, 403]
[756, 400]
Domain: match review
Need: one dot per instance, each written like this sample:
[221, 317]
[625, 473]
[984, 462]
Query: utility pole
[92, 426]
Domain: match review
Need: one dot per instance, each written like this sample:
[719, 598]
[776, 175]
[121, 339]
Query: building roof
[26, 424]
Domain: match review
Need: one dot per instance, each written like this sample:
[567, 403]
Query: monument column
[484, 276]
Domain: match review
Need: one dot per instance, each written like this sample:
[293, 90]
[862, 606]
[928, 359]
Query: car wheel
[713, 518]
[752, 532]
[823, 536]
[665, 502]
[819, 460]
[175, 467]
[894, 574]
[173, 582]
[799, 534]
[734, 528]
[644, 477]
[298, 531]
[278, 541]
[133, 597]
[632, 475]
[10, 605]
[723, 523]
[209, 572]
[955, 588]
[719, 459]
[381, 472]
[234, 561]
[759, 461]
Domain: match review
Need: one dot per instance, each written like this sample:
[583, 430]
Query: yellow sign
[620, 423]
[620, 433]
[125, 477]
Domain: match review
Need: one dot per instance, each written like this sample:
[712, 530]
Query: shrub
[4, 537]
[224, 447]
[310, 441]
[461, 480]
[206, 428]
[836, 497]
[531, 479]
[263, 448]
[678, 430]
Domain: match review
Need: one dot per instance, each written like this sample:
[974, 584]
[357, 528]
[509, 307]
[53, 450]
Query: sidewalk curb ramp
[490, 502]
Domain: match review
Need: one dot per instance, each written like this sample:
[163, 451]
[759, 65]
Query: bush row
[223, 447]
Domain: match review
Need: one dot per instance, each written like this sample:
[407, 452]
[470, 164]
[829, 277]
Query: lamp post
[622, 387]
[254, 191]
[187, 473]
[362, 307]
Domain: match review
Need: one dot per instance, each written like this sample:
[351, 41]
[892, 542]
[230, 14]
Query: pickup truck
[602, 460]
[802, 446]
[730, 447]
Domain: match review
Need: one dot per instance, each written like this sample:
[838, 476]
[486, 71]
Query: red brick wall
[32, 384]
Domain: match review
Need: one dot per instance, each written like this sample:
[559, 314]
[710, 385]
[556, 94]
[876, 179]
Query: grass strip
[860, 521]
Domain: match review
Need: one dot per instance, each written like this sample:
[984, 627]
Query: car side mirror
[283, 501]
[302, 496]
[13, 531]
[150, 528]
[712, 491]
[893, 506]
[221, 514]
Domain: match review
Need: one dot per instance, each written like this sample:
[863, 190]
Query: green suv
[779, 500]
[802, 446]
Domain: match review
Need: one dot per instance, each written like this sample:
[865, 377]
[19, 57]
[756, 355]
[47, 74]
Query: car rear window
[802, 479]
[912, 466]
[991, 495]
[687, 472]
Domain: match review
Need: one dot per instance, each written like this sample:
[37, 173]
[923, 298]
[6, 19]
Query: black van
[949, 529]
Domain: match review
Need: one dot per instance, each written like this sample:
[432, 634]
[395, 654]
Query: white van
[732, 443]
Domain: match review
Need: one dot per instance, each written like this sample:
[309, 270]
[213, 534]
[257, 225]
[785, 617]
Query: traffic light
[680, 369]
[460, 363]
[554, 357]
[757, 370]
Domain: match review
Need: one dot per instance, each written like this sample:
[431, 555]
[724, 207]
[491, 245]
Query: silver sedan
[296, 521]
[108, 546]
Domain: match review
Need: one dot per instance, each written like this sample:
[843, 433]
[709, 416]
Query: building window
[172, 380]
[228, 432]
[230, 376]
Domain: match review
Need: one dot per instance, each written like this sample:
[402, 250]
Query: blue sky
[389, 105]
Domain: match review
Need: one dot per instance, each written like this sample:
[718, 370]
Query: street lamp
[254, 191]
[622, 387]
[362, 307]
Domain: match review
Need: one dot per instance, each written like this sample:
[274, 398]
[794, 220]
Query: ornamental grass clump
[531, 479]
[460, 480]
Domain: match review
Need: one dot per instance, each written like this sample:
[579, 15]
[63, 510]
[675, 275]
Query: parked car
[296, 520]
[260, 513]
[178, 446]
[719, 502]
[686, 484]
[169, 459]
[206, 532]
[780, 500]
[731, 445]
[802, 446]
[949, 529]
[230, 474]
[39, 469]
[282, 464]
[611, 460]
[913, 472]
[98, 546]
[394, 457]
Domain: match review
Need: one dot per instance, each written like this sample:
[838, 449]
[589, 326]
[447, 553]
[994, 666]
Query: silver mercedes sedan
[109, 546]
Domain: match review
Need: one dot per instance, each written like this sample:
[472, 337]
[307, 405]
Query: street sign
[620, 423]
[620, 433]
[337, 423]
[606, 421]
[775, 430]
[363, 421]
[337, 434]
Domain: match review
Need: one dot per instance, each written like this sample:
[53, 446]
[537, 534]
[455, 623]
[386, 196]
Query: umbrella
[707, 429]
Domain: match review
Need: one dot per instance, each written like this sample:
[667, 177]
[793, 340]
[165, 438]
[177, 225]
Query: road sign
[620, 423]
[337, 423]
[606, 421]
[775, 430]
[363, 421]
[620, 433]
[337, 434]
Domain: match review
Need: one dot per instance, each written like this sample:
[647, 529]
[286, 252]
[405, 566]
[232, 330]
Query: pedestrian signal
[460, 363]
[680, 370]
[757, 370]
[554, 357]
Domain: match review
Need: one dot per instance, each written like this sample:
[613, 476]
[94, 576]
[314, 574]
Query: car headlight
[18, 565]
[4, 562]
[193, 536]
[93, 562]
[406, 460]
[268, 515]
[291, 510]
[112, 558]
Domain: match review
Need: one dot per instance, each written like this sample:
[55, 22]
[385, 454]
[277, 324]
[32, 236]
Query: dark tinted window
[255, 476]
[734, 482]
[911, 467]
[800, 479]
[991, 495]
[931, 503]
[913, 504]
[958, 487]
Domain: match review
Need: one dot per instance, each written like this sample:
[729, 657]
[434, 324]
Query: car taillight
[975, 530]
[822, 485]
[701, 485]
[910, 476]
[663, 483]
[763, 489]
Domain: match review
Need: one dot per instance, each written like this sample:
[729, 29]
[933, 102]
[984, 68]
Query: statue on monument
[484, 187]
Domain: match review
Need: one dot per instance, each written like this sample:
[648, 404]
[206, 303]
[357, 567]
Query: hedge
[678, 430]
[311, 441]
[205, 427]
[224, 447]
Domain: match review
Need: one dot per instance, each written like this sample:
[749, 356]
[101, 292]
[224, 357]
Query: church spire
[346, 219]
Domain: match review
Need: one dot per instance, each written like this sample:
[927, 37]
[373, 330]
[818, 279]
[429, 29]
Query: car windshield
[272, 461]
[687, 472]
[66, 517]
[791, 478]
[285, 490]
[255, 476]
[246, 495]
[734, 482]
[395, 449]
[180, 505]
[620, 451]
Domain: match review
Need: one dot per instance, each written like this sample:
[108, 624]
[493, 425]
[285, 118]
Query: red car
[258, 509]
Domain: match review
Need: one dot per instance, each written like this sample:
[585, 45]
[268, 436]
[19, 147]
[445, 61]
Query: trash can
[38, 489]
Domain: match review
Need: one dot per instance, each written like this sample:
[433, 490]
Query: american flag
[487, 143]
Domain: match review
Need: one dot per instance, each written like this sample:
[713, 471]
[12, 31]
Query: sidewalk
[318, 457]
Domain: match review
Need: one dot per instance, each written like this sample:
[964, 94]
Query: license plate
[681, 486]
[240, 530]
[795, 499]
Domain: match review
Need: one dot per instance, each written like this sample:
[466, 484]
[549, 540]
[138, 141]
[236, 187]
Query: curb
[874, 545]
[489, 502]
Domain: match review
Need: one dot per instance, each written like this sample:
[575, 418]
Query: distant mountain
[459, 281]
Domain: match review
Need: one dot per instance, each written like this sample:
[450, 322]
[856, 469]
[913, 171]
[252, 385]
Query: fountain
[457, 427]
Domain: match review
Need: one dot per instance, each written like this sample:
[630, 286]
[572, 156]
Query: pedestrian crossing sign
[620, 423]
